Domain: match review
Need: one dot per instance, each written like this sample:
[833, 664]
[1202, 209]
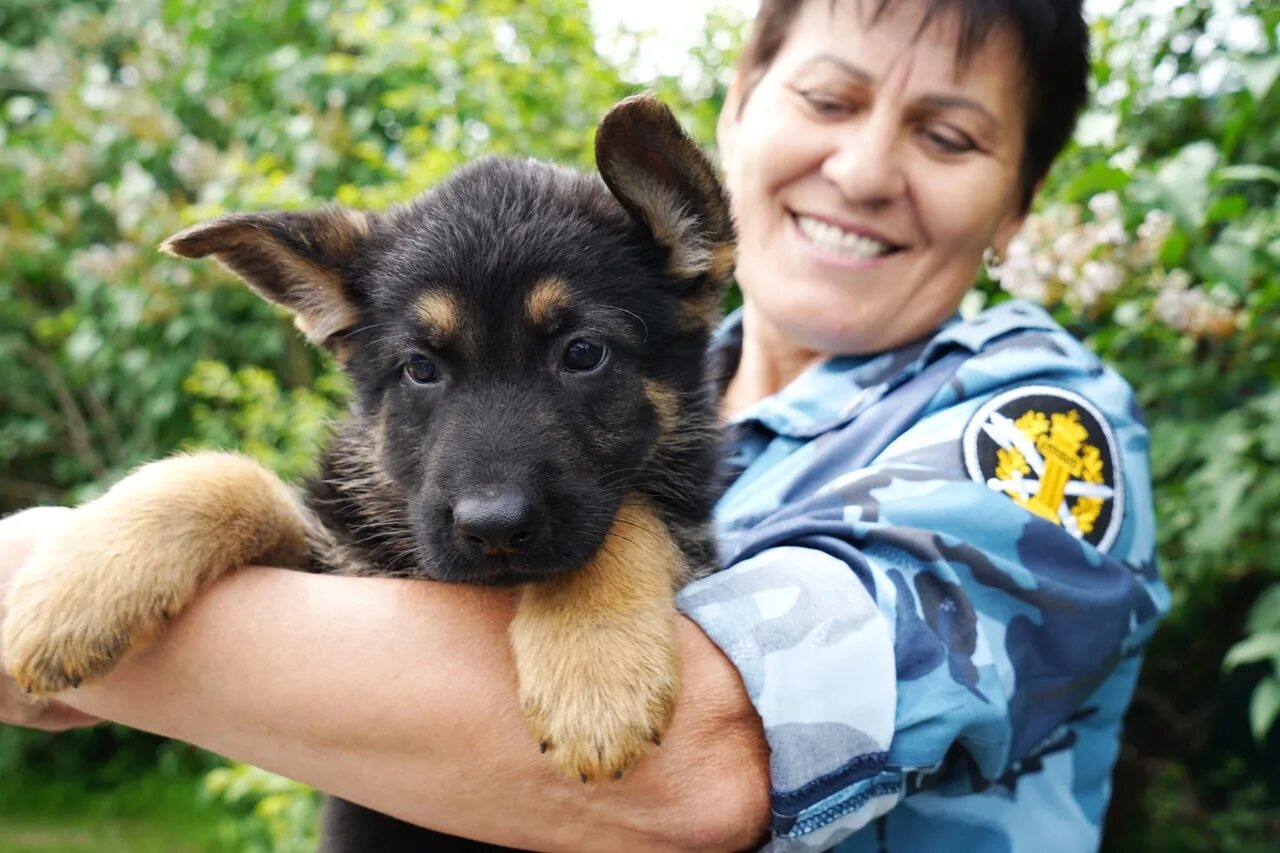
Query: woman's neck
[768, 363]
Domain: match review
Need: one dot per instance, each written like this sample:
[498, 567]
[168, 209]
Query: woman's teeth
[824, 235]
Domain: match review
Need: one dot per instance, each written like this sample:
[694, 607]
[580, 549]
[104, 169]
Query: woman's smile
[843, 245]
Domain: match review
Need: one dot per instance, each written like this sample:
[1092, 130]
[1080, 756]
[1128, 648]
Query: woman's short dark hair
[1054, 41]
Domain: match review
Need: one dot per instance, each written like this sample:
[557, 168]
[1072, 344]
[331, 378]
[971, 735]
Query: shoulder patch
[1053, 453]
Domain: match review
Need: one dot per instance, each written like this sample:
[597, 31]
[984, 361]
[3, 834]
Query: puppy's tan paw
[597, 702]
[65, 623]
[124, 563]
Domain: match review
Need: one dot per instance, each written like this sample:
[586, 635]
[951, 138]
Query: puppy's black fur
[531, 407]
[504, 412]
[527, 350]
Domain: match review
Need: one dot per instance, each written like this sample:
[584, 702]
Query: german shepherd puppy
[531, 406]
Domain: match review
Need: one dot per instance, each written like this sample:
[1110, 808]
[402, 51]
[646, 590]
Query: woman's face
[869, 171]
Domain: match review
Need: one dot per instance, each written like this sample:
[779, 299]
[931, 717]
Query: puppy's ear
[298, 260]
[663, 179]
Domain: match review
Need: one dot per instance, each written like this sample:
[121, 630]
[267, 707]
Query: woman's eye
[949, 143]
[584, 354]
[825, 105]
[421, 370]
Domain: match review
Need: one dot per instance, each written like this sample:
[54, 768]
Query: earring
[993, 260]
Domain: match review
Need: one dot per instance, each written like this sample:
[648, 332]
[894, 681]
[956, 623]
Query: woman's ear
[1005, 232]
[1012, 223]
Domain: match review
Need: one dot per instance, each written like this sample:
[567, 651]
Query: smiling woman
[939, 535]
[874, 155]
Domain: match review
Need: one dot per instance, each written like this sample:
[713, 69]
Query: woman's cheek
[960, 206]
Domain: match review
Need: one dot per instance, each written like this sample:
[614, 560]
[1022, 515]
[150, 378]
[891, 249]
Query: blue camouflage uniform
[939, 577]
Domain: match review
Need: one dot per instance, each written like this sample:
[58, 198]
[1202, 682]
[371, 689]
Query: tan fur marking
[342, 350]
[138, 555]
[724, 259]
[323, 310]
[438, 312]
[703, 309]
[339, 230]
[359, 222]
[249, 246]
[665, 402]
[547, 297]
[673, 226]
[596, 650]
[660, 175]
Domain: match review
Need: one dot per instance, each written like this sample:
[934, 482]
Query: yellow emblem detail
[1063, 458]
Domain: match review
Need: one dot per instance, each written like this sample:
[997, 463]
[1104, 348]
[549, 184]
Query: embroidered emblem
[1053, 453]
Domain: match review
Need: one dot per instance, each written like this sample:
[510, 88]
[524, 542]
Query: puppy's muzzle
[497, 524]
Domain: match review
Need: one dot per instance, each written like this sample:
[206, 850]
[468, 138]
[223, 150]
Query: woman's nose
[865, 163]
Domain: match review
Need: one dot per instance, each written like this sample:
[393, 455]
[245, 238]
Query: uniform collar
[834, 391]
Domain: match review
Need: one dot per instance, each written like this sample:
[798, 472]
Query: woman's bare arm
[401, 695]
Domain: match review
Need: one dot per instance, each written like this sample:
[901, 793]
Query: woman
[939, 544]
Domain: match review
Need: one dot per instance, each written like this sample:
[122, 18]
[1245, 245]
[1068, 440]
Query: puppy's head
[527, 343]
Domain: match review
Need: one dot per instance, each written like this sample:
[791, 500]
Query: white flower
[1105, 206]
[1197, 312]
[1097, 279]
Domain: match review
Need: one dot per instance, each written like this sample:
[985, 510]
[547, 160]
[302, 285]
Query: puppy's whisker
[639, 319]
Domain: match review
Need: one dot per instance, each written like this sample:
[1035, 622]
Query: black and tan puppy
[526, 346]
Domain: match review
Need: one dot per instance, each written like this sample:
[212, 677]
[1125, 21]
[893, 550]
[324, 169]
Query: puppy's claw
[542, 747]
[617, 774]
[46, 652]
[584, 778]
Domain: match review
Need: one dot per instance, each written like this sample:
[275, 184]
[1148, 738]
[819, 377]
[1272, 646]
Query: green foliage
[1157, 238]
[150, 811]
[1262, 645]
[106, 788]
[118, 129]
[278, 815]
[248, 410]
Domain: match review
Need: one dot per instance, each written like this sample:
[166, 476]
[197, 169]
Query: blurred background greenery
[1157, 239]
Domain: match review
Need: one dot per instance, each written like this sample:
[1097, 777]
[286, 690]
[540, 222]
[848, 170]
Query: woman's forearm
[401, 695]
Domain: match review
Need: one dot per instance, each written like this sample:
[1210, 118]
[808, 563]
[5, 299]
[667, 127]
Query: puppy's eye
[421, 370]
[584, 354]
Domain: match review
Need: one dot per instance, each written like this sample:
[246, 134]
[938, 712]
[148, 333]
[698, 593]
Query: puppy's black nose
[501, 522]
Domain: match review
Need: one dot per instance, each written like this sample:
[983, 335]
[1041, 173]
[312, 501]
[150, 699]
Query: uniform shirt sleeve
[903, 621]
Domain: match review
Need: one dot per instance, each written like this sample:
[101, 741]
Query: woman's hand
[18, 535]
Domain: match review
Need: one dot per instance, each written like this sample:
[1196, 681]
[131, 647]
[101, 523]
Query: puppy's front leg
[136, 556]
[596, 650]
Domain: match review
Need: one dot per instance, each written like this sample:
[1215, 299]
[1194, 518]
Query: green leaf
[1184, 180]
[1264, 707]
[1265, 613]
[1093, 179]
[1248, 172]
[1229, 208]
[1260, 74]
[1231, 263]
[1252, 649]
[1175, 249]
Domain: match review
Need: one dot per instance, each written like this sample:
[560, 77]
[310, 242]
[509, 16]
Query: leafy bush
[1157, 240]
